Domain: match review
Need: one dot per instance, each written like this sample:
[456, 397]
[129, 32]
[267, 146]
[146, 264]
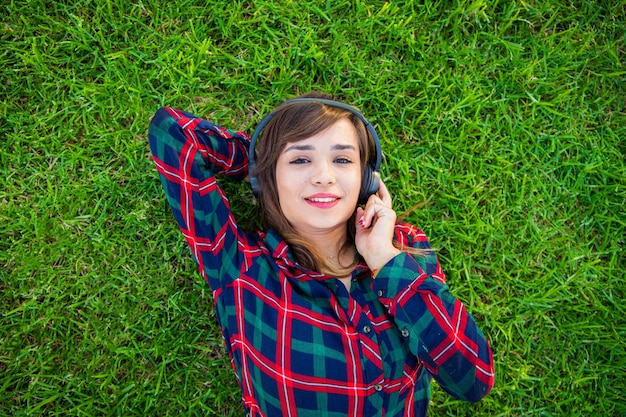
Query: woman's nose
[323, 174]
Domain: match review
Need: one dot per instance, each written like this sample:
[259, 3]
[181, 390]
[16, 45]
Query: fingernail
[362, 221]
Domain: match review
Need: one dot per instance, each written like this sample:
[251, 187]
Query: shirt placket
[371, 361]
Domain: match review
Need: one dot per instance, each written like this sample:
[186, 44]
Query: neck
[328, 243]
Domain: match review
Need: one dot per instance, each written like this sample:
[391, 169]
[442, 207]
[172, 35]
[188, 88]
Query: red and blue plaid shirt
[300, 343]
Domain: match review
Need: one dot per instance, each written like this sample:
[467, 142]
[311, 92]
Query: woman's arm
[188, 152]
[436, 325]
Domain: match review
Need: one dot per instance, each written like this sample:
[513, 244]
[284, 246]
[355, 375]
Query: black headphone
[371, 174]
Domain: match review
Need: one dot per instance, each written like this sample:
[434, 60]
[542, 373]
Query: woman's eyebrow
[300, 148]
[341, 147]
[337, 147]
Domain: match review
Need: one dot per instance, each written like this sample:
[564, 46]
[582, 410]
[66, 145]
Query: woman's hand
[375, 228]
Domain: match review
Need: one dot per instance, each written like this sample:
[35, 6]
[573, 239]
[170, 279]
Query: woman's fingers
[384, 195]
[378, 205]
[375, 228]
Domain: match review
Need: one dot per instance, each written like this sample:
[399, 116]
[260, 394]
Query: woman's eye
[298, 161]
[343, 161]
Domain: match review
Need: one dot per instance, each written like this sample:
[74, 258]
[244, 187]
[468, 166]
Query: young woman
[335, 309]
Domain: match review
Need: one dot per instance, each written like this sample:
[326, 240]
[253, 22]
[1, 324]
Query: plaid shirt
[299, 342]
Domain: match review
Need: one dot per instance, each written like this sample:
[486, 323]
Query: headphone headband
[371, 170]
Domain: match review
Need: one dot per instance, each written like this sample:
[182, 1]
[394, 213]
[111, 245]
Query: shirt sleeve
[436, 325]
[188, 152]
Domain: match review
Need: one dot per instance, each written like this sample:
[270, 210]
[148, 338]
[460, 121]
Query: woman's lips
[322, 200]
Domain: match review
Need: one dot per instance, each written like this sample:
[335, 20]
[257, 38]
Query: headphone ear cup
[254, 184]
[369, 183]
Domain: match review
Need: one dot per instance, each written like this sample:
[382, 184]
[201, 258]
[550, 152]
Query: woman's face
[319, 178]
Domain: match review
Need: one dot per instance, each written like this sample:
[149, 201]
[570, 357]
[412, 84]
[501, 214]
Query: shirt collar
[280, 251]
[278, 247]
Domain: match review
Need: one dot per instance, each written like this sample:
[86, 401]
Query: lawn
[506, 118]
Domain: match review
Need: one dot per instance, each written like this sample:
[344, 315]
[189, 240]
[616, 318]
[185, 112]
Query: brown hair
[293, 122]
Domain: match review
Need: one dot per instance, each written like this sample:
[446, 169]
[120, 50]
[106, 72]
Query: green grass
[508, 117]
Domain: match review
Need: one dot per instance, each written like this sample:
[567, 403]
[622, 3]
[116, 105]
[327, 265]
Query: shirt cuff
[400, 278]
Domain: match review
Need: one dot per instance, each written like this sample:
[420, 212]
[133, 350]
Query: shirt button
[380, 293]
[378, 387]
[367, 329]
[405, 333]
